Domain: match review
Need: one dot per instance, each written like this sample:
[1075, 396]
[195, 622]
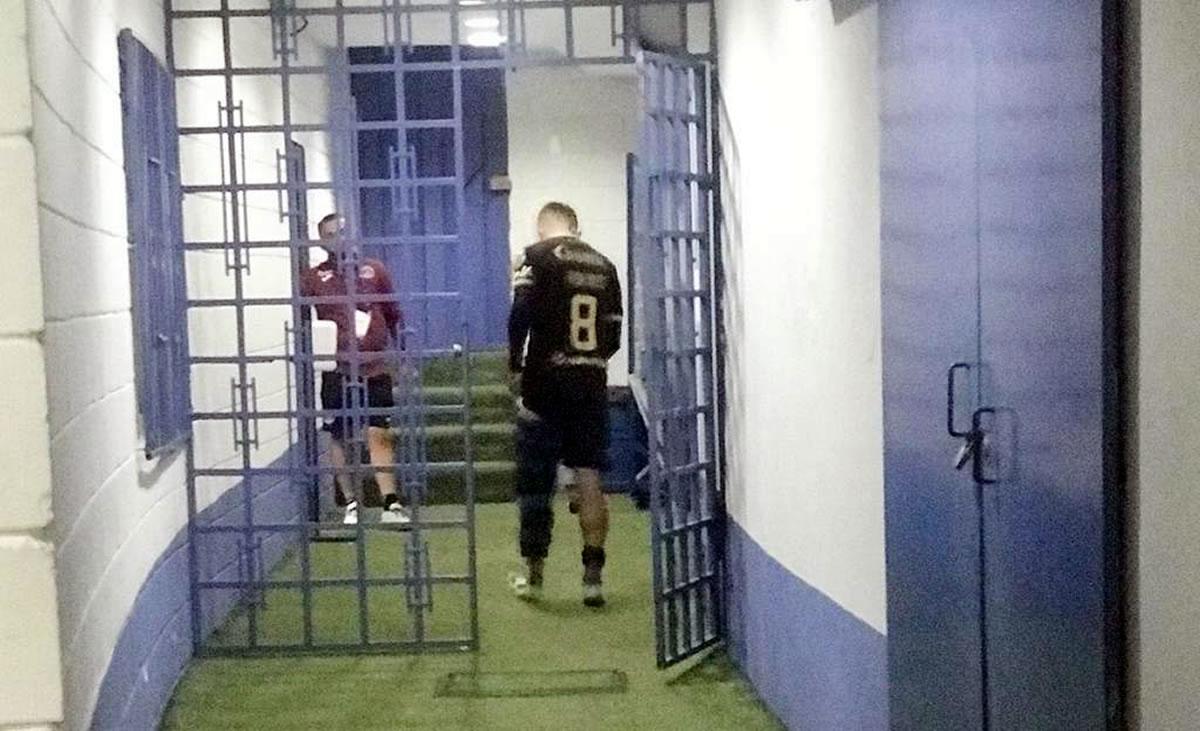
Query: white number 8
[583, 323]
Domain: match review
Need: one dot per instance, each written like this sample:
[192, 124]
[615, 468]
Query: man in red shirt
[367, 334]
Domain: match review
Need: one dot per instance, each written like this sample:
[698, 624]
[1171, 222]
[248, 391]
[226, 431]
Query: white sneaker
[395, 514]
[350, 517]
[523, 589]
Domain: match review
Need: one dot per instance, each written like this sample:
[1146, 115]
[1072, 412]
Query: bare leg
[337, 456]
[566, 481]
[593, 524]
[593, 508]
[383, 455]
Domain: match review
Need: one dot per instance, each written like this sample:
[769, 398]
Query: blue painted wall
[155, 646]
[814, 664]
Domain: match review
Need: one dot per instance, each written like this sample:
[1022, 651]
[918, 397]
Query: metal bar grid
[442, 182]
[677, 357]
[432, 468]
[254, 542]
[422, 8]
[464, 65]
[349, 581]
[398, 20]
[463, 644]
[252, 572]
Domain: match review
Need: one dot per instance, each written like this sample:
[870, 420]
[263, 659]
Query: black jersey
[567, 303]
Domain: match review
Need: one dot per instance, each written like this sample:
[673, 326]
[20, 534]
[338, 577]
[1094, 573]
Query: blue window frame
[154, 204]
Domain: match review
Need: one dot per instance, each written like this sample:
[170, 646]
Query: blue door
[997, 345]
[443, 249]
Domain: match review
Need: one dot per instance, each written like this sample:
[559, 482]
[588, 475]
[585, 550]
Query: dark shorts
[576, 434]
[338, 393]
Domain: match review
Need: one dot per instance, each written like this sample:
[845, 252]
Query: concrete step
[487, 368]
[480, 415]
[490, 395]
[493, 484]
[491, 443]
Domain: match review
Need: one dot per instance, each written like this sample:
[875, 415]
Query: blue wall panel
[155, 646]
[813, 663]
[993, 250]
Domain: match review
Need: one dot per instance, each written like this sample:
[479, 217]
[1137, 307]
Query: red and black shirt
[386, 319]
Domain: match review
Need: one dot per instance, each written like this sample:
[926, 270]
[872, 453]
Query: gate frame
[283, 16]
[704, 624]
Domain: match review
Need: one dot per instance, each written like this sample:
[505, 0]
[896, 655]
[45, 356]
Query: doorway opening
[399, 118]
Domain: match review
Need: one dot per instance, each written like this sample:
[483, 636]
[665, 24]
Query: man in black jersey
[567, 309]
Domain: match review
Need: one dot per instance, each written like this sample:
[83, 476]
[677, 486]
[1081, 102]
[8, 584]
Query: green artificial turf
[520, 644]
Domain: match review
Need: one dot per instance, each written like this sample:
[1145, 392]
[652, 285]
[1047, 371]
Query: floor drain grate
[531, 684]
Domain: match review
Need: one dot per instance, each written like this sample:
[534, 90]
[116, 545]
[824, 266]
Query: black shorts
[575, 434]
[336, 393]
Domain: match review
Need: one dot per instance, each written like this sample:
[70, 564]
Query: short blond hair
[562, 213]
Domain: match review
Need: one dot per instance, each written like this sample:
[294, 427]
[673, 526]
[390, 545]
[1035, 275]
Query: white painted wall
[115, 512]
[30, 679]
[1167, 645]
[801, 139]
[569, 131]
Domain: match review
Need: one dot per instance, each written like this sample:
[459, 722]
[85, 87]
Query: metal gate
[272, 139]
[676, 351]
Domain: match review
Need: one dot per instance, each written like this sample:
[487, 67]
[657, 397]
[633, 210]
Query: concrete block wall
[800, 135]
[30, 675]
[118, 516]
[203, 158]
[569, 131]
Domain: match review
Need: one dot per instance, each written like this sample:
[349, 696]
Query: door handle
[967, 451]
[951, 383]
[983, 455]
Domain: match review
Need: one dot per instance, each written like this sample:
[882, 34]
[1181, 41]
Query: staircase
[492, 428]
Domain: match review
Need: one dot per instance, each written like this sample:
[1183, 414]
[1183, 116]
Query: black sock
[593, 564]
[390, 500]
[536, 569]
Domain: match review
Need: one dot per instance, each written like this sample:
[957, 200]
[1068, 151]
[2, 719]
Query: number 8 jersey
[567, 304]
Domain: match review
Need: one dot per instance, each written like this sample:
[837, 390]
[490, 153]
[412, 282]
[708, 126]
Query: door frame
[1119, 298]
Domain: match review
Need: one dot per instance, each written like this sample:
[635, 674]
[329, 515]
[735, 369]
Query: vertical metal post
[569, 30]
[289, 48]
[464, 309]
[194, 598]
[239, 295]
[469, 477]
[193, 535]
[414, 565]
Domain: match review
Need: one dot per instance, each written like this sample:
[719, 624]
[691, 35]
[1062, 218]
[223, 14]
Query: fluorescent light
[486, 39]
[488, 22]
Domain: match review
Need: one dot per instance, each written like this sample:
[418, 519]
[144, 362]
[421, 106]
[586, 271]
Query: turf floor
[523, 647]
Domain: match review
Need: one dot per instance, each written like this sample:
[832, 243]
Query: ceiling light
[488, 22]
[486, 39]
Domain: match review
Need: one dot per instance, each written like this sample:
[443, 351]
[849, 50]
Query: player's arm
[520, 318]
[393, 316]
[308, 289]
[612, 316]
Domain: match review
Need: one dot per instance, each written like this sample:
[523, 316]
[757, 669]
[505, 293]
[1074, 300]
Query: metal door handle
[982, 453]
[966, 452]
[951, 383]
